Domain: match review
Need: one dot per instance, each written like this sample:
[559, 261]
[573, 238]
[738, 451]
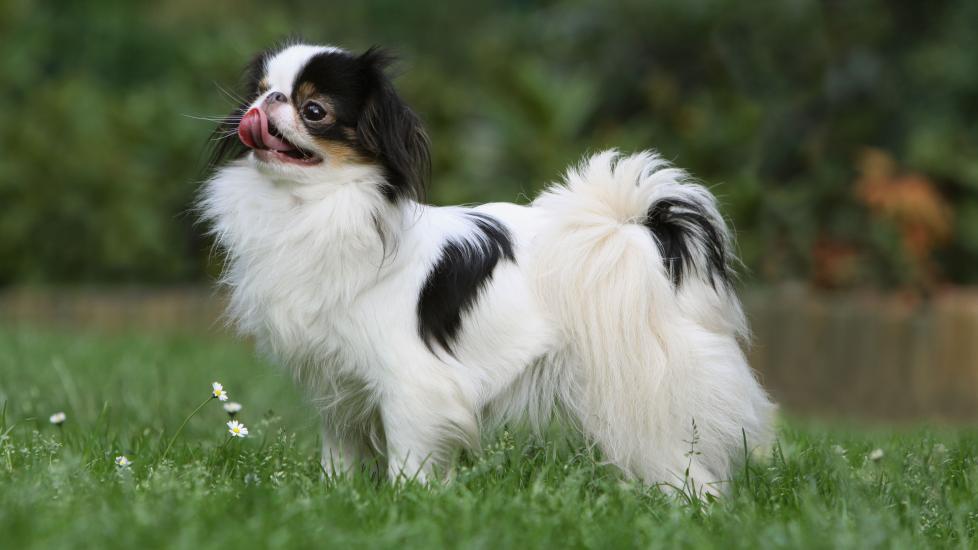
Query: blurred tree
[771, 102]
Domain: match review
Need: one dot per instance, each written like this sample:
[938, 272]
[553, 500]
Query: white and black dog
[608, 300]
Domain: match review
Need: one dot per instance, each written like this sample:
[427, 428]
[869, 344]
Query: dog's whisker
[221, 137]
[230, 95]
[214, 118]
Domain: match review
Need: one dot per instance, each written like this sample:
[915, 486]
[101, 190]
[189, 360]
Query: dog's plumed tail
[633, 266]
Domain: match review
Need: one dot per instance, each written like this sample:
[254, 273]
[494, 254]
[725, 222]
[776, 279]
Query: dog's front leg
[425, 420]
[345, 452]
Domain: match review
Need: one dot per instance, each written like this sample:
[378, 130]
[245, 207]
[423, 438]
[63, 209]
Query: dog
[608, 301]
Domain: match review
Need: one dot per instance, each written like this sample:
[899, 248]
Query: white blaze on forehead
[281, 70]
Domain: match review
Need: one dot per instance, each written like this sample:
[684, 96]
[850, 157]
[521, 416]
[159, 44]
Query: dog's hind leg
[633, 267]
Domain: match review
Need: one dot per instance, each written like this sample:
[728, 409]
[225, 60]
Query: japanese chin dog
[608, 301]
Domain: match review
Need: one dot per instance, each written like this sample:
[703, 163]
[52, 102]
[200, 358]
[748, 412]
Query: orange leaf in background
[910, 201]
[836, 263]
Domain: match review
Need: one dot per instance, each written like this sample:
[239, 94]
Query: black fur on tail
[690, 240]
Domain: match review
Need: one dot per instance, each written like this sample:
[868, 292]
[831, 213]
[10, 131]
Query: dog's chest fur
[301, 270]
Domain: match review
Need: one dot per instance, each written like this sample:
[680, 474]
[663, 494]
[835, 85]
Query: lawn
[128, 393]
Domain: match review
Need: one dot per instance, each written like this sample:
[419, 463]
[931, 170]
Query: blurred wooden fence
[851, 354]
[114, 308]
[867, 354]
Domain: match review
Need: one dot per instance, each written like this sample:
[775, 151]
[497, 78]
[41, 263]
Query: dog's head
[311, 110]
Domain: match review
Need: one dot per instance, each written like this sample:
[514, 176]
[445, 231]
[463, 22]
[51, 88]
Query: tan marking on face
[263, 86]
[341, 153]
[335, 152]
[305, 91]
[303, 95]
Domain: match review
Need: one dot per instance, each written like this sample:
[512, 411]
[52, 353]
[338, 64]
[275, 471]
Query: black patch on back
[453, 286]
[681, 228]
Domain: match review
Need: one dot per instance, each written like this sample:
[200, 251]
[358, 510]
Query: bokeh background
[840, 136]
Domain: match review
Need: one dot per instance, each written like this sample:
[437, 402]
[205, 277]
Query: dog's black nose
[276, 97]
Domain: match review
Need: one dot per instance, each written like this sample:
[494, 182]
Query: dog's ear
[224, 144]
[390, 131]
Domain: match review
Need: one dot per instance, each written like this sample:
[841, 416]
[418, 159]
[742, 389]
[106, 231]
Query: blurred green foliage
[770, 102]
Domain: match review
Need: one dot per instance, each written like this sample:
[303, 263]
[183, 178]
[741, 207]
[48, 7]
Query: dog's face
[310, 110]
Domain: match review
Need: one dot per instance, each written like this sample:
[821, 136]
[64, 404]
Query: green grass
[126, 394]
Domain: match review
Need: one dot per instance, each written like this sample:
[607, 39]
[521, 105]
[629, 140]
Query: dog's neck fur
[299, 252]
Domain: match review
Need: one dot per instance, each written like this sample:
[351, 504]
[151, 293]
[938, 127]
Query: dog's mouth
[259, 133]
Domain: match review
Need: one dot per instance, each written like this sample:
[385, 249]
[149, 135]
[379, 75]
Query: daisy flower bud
[122, 462]
[232, 408]
[219, 391]
[58, 418]
[237, 429]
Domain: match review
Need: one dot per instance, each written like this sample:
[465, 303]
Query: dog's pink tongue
[253, 132]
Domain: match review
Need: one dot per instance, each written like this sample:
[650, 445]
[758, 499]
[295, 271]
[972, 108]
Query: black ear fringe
[392, 132]
[378, 58]
[224, 144]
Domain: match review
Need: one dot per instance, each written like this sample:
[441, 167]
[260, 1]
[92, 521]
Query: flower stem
[180, 429]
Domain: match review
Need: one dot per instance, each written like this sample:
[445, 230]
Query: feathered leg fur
[632, 265]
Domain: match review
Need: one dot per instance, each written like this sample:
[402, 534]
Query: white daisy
[58, 418]
[232, 408]
[876, 455]
[219, 391]
[122, 462]
[237, 429]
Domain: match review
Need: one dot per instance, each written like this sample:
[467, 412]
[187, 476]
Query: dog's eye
[313, 111]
